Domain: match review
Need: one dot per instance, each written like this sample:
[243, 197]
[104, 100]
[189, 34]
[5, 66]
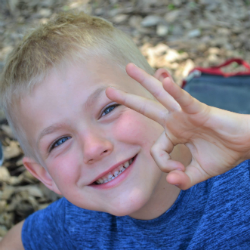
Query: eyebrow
[90, 101]
[92, 98]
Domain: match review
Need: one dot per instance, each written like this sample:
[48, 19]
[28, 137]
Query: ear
[40, 173]
[161, 73]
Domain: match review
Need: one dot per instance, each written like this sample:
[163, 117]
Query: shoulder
[231, 188]
[226, 214]
[45, 227]
[236, 178]
[59, 226]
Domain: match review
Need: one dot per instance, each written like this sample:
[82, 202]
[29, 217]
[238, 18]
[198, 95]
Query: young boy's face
[83, 139]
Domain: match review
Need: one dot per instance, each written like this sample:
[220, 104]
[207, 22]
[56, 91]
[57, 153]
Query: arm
[217, 139]
[12, 240]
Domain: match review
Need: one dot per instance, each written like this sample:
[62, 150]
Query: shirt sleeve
[45, 229]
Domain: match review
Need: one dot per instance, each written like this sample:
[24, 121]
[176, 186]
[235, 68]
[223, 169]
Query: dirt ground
[176, 34]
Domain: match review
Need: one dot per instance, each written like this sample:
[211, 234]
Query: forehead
[85, 81]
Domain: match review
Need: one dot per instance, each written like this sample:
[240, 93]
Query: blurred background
[176, 34]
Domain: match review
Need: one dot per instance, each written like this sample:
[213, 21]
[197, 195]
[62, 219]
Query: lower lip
[117, 180]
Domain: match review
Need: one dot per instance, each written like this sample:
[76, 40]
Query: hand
[217, 139]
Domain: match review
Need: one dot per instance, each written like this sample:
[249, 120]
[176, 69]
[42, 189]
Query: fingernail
[112, 87]
[165, 75]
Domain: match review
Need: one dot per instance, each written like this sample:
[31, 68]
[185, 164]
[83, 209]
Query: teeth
[117, 172]
[100, 181]
[126, 164]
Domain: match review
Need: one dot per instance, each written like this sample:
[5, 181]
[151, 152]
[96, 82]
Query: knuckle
[153, 150]
[142, 109]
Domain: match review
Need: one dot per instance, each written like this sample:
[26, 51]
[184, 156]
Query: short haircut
[66, 38]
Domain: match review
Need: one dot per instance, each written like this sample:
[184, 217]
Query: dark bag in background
[230, 91]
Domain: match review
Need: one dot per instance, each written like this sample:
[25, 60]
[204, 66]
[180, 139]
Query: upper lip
[111, 169]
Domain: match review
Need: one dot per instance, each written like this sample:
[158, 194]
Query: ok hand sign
[217, 139]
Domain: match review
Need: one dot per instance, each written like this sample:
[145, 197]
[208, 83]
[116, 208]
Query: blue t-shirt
[214, 214]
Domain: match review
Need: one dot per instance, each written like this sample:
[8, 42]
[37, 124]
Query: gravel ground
[177, 35]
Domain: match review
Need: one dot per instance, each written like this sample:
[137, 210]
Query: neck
[165, 194]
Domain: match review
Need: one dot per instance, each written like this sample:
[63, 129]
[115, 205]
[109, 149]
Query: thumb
[185, 179]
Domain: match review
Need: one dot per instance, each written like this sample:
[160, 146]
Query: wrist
[248, 137]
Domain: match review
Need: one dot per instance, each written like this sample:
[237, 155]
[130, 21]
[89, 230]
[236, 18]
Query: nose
[96, 147]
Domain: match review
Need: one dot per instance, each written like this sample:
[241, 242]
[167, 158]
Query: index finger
[147, 107]
[153, 85]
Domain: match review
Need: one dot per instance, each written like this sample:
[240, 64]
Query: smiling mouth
[114, 173]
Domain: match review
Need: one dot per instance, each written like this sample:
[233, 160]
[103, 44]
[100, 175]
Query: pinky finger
[188, 103]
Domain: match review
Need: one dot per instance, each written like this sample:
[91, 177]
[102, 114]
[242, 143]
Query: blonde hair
[64, 39]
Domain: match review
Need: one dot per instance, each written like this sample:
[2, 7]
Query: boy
[92, 143]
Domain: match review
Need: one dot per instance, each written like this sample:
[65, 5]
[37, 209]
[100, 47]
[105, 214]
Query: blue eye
[59, 142]
[109, 109]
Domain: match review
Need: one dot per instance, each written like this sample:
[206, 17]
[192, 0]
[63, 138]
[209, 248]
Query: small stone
[177, 31]
[2, 114]
[237, 29]
[202, 47]
[172, 16]
[3, 230]
[151, 20]
[33, 191]
[219, 41]
[187, 25]
[1, 65]
[7, 219]
[224, 31]
[194, 33]
[173, 56]
[7, 130]
[204, 24]
[212, 58]
[99, 11]
[214, 51]
[13, 6]
[161, 30]
[4, 174]
[43, 206]
[160, 49]
[28, 177]
[212, 7]
[3, 205]
[114, 12]
[177, 3]
[8, 192]
[189, 65]
[11, 151]
[44, 20]
[5, 52]
[47, 3]
[135, 21]
[45, 12]
[13, 180]
[121, 18]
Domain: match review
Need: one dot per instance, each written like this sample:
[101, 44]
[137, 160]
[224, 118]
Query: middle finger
[153, 86]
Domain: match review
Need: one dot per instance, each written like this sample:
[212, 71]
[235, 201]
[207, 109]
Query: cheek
[65, 170]
[133, 127]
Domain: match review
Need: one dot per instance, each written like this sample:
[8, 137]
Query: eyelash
[113, 106]
[60, 141]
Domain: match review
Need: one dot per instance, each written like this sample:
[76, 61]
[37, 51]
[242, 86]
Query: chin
[128, 207]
